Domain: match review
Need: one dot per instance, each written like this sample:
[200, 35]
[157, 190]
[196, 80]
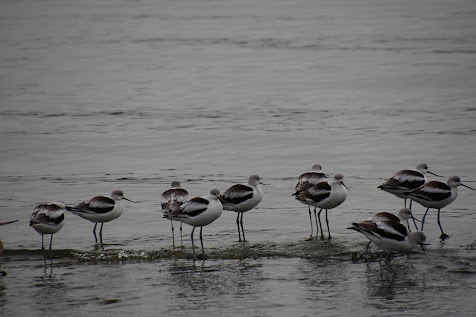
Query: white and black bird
[406, 180]
[199, 212]
[242, 198]
[171, 200]
[100, 209]
[402, 216]
[437, 195]
[306, 181]
[389, 236]
[48, 219]
[325, 195]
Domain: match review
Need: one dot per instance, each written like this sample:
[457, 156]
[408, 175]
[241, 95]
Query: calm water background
[101, 95]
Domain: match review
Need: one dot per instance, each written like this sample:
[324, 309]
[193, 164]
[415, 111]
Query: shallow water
[97, 96]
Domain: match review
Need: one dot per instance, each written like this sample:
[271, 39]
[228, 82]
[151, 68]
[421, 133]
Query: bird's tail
[74, 210]
[359, 228]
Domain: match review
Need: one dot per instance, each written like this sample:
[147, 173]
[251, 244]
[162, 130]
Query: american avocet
[325, 195]
[171, 200]
[406, 180]
[437, 195]
[48, 219]
[306, 181]
[402, 216]
[1, 224]
[100, 209]
[241, 198]
[389, 236]
[199, 212]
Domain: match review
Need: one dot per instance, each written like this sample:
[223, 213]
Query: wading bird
[100, 209]
[325, 195]
[437, 195]
[389, 236]
[199, 212]
[48, 219]
[406, 180]
[241, 198]
[171, 200]
[306, 181]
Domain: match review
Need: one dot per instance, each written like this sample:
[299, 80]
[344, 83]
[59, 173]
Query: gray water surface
[104, 95]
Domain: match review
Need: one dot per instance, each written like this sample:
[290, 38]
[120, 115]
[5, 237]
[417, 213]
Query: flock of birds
[385, 230]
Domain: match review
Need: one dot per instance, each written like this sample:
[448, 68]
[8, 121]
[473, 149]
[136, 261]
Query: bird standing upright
[100, 209]
[171, 200]
[48, 219]
[437, 195]
[306, 181]
[199, 212]
[325, 195]
[241, 198]
[406, 180]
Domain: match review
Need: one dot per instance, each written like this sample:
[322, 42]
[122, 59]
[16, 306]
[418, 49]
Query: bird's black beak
[6, 223]
[467, 186]
[424, 251]
[345, 186]
[433, 174]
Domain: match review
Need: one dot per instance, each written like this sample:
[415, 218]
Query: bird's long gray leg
[423, 219]
[327, 221]
[320, 225]
[193, 245]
